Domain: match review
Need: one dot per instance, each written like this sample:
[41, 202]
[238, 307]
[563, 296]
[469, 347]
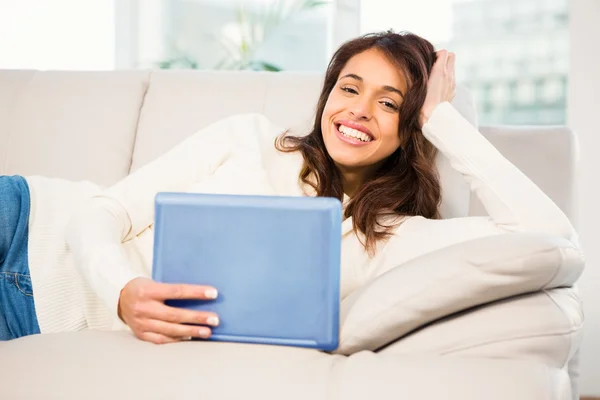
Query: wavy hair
[407, 183]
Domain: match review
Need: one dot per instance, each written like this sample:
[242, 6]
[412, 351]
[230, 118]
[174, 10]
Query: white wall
[584, 109]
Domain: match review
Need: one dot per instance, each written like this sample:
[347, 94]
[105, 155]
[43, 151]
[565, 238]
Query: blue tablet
[274, 260]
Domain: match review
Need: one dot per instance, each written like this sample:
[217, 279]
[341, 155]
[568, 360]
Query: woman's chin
[349, 162]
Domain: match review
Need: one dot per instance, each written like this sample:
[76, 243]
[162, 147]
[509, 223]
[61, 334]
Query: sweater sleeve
[96, 234]
[514, 203]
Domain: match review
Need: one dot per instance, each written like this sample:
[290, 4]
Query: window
[552, 90]
[525, 93]
[270, 35]
[497, 41]
[500, 94]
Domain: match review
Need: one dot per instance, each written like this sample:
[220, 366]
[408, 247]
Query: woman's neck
[351, 184]
[352, 179]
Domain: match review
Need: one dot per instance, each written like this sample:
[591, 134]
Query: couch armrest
[451, 280]
[506, 329]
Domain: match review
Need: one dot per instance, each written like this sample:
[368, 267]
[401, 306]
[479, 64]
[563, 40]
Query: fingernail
[211, 294]
[186, 338]
[204, 333]
[214, 321]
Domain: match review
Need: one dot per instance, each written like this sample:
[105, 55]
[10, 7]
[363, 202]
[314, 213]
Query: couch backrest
[73, 125]
[99, 126]
[178, 103]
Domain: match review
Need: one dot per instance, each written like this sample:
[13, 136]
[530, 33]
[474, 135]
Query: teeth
[351, 132]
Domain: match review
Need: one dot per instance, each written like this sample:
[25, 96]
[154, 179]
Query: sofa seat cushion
[96, 365]
[117, 365]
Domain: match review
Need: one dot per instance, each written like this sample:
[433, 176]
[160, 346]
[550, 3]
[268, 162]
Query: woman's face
[360, 119]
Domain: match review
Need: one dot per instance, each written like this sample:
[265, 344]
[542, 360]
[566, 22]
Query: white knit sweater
[110, 235]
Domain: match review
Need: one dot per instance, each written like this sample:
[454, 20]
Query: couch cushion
[114, 365]
[11, 81]
[180, 103]
[451, 280]
[72, 125]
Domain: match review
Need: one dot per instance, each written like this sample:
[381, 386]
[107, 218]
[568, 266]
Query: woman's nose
[361, 109]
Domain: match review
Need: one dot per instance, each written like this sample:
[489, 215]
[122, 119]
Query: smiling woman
[366, 142]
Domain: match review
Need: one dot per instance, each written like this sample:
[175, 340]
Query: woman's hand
[441, 85]
[142, 308]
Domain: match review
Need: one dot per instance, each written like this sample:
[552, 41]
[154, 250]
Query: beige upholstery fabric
[10, 84]
[287, 99]
[454, 279]
[74, 125]
[178, 104]
[499, 332]
[546, 155]
[114, 365]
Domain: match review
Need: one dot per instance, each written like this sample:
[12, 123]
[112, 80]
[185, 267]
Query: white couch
[504, 328]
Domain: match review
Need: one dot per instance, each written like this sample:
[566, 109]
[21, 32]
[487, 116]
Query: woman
[383, 113]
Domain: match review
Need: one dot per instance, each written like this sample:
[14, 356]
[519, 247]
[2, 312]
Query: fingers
[159, 311]
[158, 323]
[451, 73]
[442, 56]
[177, 331]
[447, 61]
[442, 60]
[166, 291]
[183, 316]
[157, 338]
[450, 64]
[163, 324]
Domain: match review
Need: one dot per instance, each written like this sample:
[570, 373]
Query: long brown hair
[407, 183]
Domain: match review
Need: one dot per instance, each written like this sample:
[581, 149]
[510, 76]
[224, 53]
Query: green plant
[182, 61]
[255, 28]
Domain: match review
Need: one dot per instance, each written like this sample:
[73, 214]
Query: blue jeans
[17, 308]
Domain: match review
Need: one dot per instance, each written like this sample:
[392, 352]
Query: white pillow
[454, 279]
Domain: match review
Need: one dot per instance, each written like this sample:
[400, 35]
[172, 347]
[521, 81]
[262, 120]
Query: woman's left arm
[513, 202]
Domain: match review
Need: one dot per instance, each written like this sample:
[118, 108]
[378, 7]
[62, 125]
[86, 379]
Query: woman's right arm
[95, 235]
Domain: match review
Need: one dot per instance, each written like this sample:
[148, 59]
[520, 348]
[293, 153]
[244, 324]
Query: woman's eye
[390, 105]
[349, 90]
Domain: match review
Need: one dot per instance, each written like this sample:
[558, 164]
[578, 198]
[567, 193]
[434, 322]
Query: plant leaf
[264, 66]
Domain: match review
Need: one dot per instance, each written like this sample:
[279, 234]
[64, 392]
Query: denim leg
[17, 307]
[5, 333]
